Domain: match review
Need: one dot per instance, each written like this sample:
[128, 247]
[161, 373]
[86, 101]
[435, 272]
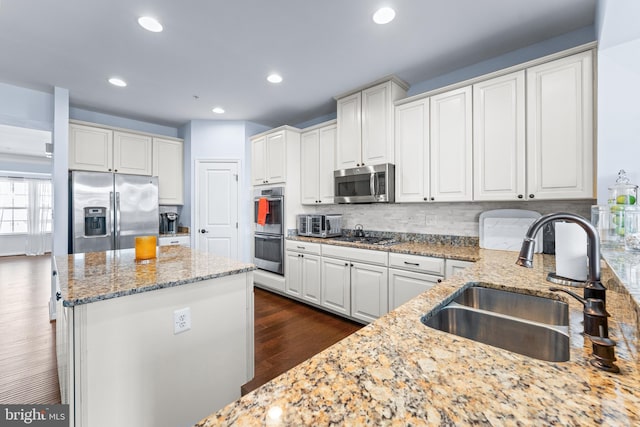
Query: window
[14, 205]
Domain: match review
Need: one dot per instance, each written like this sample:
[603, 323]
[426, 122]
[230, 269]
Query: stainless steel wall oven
[268, 238]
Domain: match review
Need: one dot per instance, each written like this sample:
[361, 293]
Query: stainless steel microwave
[365, 184]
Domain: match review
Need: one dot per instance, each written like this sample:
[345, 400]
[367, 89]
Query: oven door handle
[264, 236]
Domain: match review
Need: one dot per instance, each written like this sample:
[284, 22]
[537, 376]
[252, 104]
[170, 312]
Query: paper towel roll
[571, 251]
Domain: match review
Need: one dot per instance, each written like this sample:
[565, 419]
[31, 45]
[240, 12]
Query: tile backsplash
[457, 219]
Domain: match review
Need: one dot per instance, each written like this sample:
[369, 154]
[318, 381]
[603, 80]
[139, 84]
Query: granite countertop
[463, 253]
[396, 371]
[96, 276]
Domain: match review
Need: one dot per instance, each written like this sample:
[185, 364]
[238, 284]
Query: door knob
[203, 231]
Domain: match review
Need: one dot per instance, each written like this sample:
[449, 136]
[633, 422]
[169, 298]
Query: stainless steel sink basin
[524, 324]
[528, 307]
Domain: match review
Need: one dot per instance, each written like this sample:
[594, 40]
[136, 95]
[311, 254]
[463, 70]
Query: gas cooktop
[370, 240]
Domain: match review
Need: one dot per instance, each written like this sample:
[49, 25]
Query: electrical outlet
[181, 320]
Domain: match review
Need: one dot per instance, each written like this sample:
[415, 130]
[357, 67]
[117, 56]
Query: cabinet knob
[115, 170]
[351, 265]
[531, 196]
[357, 164]
[301, 255]
[109, 169]
[424, 198]
[433, 198]
[520, 196]
[439, 280]
[346, 264]
[58, 296]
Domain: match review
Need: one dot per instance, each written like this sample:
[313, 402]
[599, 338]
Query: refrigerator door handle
[117, 223]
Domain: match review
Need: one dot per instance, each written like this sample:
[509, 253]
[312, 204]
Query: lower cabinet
[405, 285]
[174, 241]
[336, 285]
[369, 291]
[302, 279]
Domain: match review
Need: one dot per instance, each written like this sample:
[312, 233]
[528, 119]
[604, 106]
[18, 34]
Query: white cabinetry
[168, 167]
[100, 149]
[302, 279]
[451, 146]
[412, 151]
[499, 138]
[269, 155]
[317, 163]
[365, 125]
[560, 128]
[454, 266]
[410, 275]
[355, 282]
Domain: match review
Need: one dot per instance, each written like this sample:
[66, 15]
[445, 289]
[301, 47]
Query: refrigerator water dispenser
[95, 221]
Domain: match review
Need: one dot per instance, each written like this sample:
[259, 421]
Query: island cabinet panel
[131, 369]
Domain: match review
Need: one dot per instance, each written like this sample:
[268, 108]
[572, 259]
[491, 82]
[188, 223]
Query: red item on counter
[263, 210]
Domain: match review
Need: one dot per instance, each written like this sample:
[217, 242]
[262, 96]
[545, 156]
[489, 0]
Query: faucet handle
[604, 353]
[595, 314]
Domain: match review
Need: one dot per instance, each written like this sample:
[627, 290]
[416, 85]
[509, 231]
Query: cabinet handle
[433, 198]
[174, 242]
[412, 263]
[531, 196]
[58, 296]
[439, 280]
[520, 196]
[301, 247]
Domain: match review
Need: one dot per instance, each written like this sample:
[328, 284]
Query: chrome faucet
[593, 288]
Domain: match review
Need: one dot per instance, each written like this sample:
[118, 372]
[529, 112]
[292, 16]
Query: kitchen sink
[527, 307]
[532, 326]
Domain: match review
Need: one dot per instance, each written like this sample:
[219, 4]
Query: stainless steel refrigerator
[107, 211]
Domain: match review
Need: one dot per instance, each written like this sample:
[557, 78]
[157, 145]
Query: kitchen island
[397, 371]
[152, 343]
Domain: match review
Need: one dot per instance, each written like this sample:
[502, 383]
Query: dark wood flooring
[28, 372]
[288, 333]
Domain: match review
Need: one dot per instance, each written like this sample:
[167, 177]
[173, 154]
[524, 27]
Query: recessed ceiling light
[150, 24]
[274, 78]
[218, 110]
[117, 82]
[384, 15]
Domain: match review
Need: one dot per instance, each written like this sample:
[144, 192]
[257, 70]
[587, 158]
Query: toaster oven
[320, 225]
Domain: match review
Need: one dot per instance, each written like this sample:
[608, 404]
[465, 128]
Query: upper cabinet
[168, 167]
[365, 125]
[499, 138]
[105, 150]
[560, 128]
[317, 163]
[269, 155]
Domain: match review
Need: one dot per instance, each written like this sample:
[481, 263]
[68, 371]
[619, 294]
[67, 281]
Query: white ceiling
[222, 50]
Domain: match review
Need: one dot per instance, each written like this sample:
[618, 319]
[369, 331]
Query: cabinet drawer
[422, 264]
[174, 240]
[353, 254]
[306, 247]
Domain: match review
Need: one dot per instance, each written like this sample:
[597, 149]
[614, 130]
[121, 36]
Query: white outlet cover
[181, 320]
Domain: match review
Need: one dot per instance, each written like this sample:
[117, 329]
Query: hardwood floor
[28, 372]
[288, 333]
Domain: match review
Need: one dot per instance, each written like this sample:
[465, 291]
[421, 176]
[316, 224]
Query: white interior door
[217, 208]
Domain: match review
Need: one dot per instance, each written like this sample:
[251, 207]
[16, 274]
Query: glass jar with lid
[623, 192]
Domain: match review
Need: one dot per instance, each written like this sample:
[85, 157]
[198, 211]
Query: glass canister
[623, 192]
[632, 228]
[605, 219]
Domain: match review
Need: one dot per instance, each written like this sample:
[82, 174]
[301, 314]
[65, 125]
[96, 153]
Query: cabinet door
[132, 153]
[258, 156]
[377, 111]
[499, 138]
[310, 167]
[311, 278]
[168, 167]
[412, 151]
[369, 291]
[276, 156]
[348, 150]
[336, 279]
[451, 146]
[560, 129]
[90, 148]
[293, 276]
[454, 266]
[327, 165]
[405, 285]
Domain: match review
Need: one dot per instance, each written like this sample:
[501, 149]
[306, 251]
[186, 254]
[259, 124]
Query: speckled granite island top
[96, 276]
[396, 371]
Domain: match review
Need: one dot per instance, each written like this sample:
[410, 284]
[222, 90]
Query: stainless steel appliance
[107, 211]
[168, 223]
[320, 225]
[268, 238]
[366, 184]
